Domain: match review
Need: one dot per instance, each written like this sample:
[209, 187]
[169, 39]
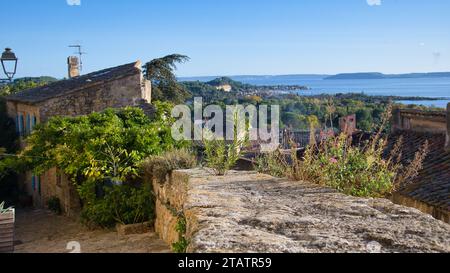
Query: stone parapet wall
[252, 213]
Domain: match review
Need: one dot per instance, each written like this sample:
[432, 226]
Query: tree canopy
[99, 145]
[164, 83]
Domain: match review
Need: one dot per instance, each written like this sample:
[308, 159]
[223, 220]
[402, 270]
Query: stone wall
[420, 121]
[252, 213]
[170, 199]
[56, 184]
[126, 91]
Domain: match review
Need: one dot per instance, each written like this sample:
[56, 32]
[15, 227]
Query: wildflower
[333, 160]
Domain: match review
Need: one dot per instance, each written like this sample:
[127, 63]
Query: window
[28, 126]
[33, 183]
[21, 125]
[39, 184]
[36, 183]
[17, 125]
[33, 122]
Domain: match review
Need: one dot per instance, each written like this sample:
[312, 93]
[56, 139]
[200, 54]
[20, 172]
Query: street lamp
[9, 64]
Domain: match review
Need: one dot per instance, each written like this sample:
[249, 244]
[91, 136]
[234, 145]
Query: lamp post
[9, 64]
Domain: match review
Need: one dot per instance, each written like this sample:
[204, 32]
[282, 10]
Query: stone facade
[87, 97]
[114, 94]
[247, 212]
[80, 95]
[420, 121]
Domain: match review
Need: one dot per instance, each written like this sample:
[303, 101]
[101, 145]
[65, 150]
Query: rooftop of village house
[68, 86]
[432, 185]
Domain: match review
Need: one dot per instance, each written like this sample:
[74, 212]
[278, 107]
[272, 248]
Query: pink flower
[333, 160]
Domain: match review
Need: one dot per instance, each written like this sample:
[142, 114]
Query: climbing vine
[182, 244]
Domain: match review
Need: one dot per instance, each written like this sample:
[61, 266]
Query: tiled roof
[432, 185]
[65, 87]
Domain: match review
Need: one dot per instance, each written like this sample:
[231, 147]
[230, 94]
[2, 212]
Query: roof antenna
[80, 53]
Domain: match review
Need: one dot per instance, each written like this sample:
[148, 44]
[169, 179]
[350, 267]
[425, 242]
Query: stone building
[430, 190]
[115, 87]
[225, 88]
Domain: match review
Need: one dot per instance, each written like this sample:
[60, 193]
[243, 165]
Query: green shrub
[124, 204]
[221, 155]
[110, 145]
[182, 244]
[271, 163]
[160, 166]
[54, 205]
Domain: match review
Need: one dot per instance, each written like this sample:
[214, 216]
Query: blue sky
[230, 37]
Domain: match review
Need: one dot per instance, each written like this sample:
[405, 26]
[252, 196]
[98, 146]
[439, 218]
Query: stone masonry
[253, 213]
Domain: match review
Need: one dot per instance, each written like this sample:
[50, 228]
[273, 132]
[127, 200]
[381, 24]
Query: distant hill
[21, 84]
[228, 81]
[376, 76]
[42, 79]
[198, 87]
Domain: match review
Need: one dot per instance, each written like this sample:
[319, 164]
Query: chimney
[347, 124]
[73, 67]
[396, 120]
[447, 142]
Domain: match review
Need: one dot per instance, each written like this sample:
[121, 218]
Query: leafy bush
[124, 204]
[160, 166]
[54, 204]
[103, 146]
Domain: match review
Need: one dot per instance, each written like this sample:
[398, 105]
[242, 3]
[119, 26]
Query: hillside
[21, 84]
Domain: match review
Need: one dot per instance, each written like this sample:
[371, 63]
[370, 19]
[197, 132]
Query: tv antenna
[80, 53]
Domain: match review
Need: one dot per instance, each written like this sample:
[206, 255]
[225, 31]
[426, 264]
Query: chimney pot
[73, 66]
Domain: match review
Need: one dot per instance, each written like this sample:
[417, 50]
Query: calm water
[420, 87]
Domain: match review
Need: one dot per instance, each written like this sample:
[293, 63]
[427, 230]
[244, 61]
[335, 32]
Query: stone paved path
[39, 231]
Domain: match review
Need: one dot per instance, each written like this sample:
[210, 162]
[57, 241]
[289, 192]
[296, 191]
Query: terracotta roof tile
[432, 185]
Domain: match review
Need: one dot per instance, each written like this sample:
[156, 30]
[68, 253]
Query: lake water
[414, 87]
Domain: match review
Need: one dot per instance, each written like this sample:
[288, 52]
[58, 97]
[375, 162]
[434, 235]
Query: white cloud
[374, 2]
[74, 2]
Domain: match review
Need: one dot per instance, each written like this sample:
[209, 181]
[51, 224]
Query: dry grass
[360, 171]
[159, 167]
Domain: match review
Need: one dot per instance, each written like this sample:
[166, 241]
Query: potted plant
[7, 219]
